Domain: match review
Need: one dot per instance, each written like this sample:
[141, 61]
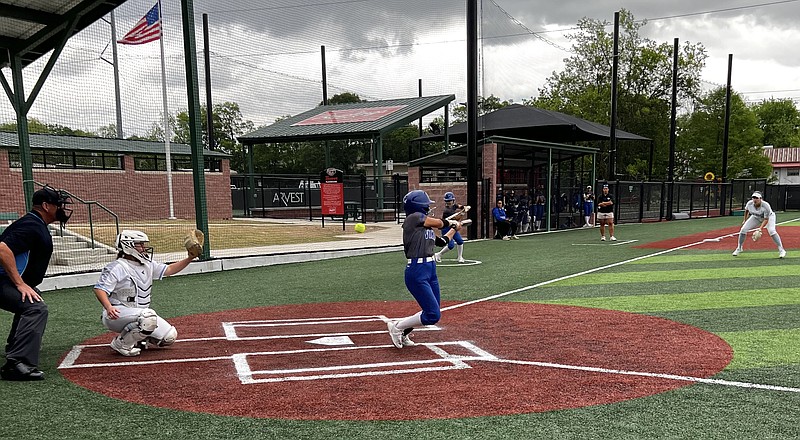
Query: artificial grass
[689, 301]
[58, 409]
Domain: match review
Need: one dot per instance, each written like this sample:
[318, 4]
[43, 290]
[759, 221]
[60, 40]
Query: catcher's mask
[135, 244]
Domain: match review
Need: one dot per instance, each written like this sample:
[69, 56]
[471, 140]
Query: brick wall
[132, 195]
[459, 189]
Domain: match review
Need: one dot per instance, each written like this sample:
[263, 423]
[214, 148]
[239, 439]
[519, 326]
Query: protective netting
[265, 64]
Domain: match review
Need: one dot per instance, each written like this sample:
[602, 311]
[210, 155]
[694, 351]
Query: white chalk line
[703, 380]
[611, 371]
[588, 271]
[480, 356]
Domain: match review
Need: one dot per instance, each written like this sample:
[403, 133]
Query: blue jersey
[29, 240]
[418, 240]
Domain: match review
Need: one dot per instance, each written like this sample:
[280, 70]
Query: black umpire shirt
[31, 243]
[604, 198]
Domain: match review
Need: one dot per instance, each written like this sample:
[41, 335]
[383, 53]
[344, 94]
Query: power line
[715, 11]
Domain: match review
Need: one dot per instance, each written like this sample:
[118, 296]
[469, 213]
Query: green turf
[684, 256]
[763, 348]
[741, 319]
[690, 301]
[757, 312]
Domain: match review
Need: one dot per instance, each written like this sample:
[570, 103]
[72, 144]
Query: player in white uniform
[757, 214]
[124, 291]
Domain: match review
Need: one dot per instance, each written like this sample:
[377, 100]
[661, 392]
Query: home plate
[332, 340]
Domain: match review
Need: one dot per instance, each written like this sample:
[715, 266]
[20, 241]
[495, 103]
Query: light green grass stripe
[699, 258]
[687, 301]
[671, 275]
[763, 348]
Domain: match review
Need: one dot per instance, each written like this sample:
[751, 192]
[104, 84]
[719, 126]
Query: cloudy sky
[266, 55]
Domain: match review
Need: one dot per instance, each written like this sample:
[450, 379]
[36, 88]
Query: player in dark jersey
[605, 213]
[450, 208]
[420, 274]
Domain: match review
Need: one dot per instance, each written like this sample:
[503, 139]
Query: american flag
[146, 30]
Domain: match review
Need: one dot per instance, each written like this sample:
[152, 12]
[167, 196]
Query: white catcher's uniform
[128, 285]
[757, 215]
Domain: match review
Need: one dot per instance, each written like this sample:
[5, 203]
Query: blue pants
[588, 208]
[422, 282]
[538, 212]
[453, 241]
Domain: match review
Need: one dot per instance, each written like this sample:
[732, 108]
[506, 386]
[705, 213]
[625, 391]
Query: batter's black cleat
[19, 371]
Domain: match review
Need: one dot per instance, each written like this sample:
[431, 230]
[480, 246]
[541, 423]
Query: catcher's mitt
[194, 243]
[756, 234]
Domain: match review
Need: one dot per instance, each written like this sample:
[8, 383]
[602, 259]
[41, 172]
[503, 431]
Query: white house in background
[785, 164]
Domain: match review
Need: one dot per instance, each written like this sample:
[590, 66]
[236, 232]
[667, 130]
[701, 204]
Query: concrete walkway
[379, 237]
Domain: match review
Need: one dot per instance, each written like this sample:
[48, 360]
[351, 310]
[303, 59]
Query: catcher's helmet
[416, 201]
[449, 197]
[127, 241]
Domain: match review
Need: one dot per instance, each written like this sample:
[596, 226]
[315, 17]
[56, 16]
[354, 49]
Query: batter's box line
[72, 356]
[229, 328]
[703, 380]
[457, 362]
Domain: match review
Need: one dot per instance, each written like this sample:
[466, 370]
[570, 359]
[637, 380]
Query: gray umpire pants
[30, 319]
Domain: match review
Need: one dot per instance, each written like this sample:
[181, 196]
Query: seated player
[124, 291]
[506, 228]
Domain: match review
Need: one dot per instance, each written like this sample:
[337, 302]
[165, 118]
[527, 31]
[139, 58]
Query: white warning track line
[586, 272]
[703, 380]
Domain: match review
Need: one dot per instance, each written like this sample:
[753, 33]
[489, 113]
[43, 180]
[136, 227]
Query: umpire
[25, 249]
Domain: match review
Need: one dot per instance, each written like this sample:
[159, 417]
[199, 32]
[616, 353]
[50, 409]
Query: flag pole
[120, 134]
[166, 117]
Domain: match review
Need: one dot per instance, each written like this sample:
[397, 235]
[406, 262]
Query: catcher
[124, 291]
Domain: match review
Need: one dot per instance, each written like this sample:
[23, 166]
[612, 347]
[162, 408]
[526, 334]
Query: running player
[757, 214]
[450, 208]
[420, 274]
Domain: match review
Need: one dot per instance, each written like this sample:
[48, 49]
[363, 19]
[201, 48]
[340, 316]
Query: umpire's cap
[50, 195]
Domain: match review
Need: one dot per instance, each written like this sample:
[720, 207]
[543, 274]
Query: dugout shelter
[364, 120]
[522, 147]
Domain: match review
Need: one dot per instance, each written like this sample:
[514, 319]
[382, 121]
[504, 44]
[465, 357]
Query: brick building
[126, 176]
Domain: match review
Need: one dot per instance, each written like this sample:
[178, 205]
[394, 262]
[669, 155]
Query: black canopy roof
[512, 153]
[526, 122]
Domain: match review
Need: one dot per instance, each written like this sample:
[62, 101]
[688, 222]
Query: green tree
[344, 98]
[485, 105]
[107, 131]
[780, 121]
[583, 87]
[228, 123]
[36, 126]
[701, 136]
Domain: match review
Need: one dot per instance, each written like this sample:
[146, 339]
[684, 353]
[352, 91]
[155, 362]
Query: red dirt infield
[790, 237]
[264, 365]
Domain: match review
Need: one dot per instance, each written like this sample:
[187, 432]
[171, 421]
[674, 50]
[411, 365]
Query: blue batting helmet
[449, 197]
[416, 201]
